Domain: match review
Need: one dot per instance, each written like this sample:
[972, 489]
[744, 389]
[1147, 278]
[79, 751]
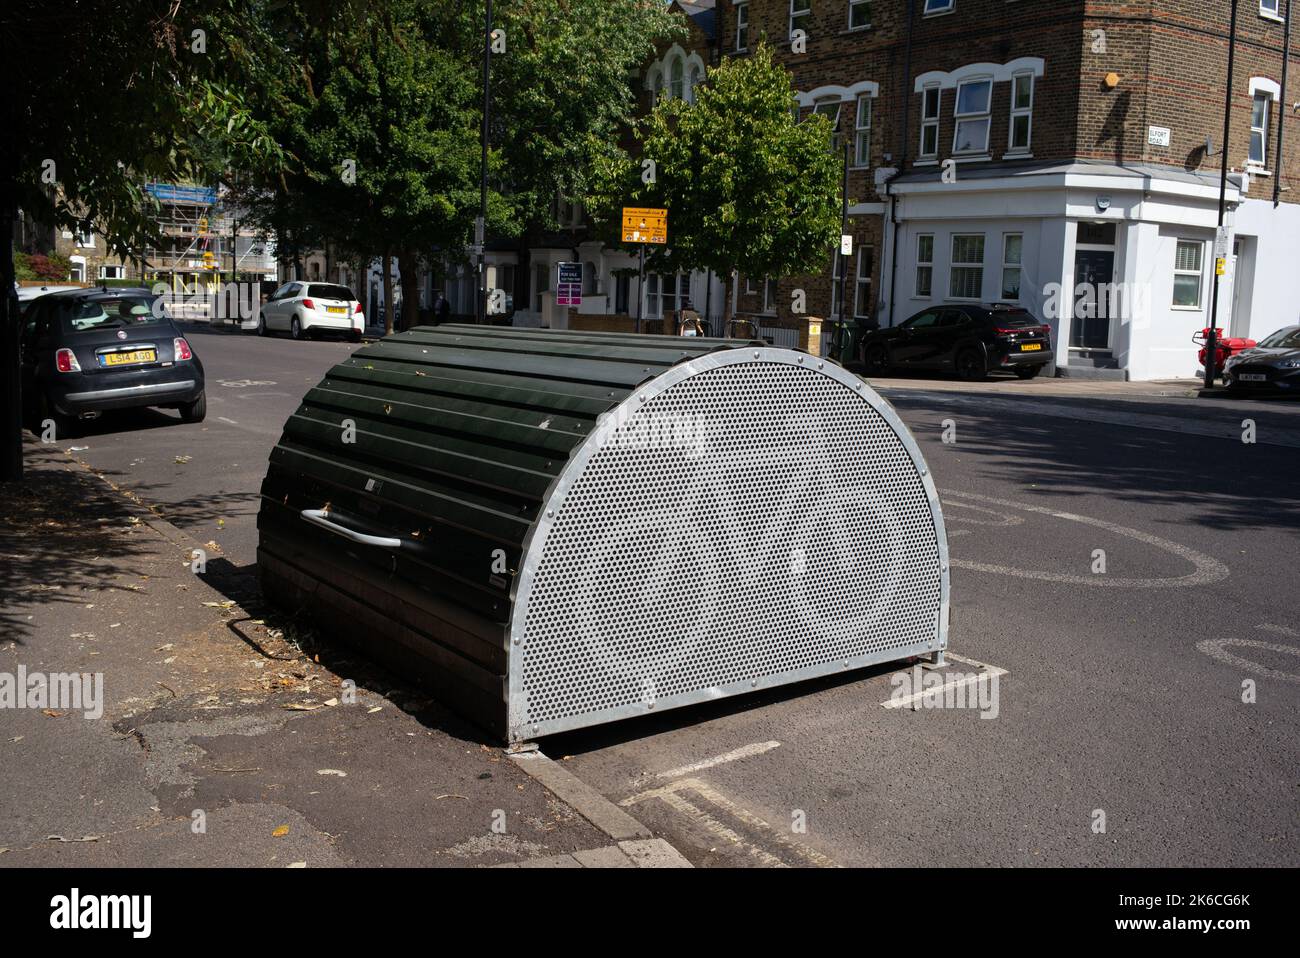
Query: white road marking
[231, 421]
[1003, 518]
[1207, 569]
[671, 795]
[1217, 649]
[990, 672]
[745, 751]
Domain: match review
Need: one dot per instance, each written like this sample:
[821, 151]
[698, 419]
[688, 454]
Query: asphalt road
[1120, 693]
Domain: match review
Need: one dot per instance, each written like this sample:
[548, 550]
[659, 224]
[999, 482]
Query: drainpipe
[902, 162]
[1281, 106]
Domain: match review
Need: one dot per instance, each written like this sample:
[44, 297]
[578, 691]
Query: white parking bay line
[745, 751]
[988, 672]
[231, 421]
[708, 821]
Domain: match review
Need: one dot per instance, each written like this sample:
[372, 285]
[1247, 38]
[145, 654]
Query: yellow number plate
[1030, 347]
[128, 359]
[336, 309]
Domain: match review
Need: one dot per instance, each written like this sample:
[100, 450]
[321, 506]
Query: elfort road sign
[645, 225]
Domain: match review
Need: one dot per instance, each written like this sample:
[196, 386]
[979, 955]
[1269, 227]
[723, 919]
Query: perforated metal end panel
[750, 518]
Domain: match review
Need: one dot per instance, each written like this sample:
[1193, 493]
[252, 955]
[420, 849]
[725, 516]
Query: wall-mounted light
[1112, 80]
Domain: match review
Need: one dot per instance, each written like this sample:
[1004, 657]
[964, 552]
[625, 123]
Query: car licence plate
[1253, 378]
[1030, 347]
[336, 309]
[129, 359]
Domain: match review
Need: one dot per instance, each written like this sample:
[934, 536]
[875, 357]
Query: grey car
[1273, 365]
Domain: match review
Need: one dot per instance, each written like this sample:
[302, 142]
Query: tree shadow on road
[1230, 484]
[61, 531]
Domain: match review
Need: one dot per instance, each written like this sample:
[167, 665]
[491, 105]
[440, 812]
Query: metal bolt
[549, 512]
[515, 639]
[800, 360]
[821, 365]
[757, 354]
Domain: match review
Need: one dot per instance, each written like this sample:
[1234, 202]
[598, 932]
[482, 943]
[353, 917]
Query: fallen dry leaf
[280, 832]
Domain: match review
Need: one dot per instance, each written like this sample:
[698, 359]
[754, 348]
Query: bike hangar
[557, 529]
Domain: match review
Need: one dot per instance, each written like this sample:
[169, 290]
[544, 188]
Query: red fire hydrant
[1223, 348]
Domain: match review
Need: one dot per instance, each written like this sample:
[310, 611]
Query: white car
[300, 307]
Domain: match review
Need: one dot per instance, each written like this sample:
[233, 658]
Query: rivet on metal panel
[549, 512]
[821, 365]
[757, 354]
[515, 639]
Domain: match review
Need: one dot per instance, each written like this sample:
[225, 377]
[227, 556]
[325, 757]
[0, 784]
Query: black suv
[89, 350]
[969, 340]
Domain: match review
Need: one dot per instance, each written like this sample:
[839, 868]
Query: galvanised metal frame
[520, 729]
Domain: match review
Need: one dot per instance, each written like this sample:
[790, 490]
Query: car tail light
[65, 360]
[1007, 332]
[356, 309]
[181, 350]
[309, 304]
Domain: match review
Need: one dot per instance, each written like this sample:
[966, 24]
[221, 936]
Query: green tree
[749, 188]
[102, 95]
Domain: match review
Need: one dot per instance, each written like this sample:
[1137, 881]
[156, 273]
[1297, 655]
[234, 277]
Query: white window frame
[750, 290]
[933, 7]
[119, 272]
[861, 130]
[799, 10]
[84, 239]
[954, 266]
[1008, 265]
[742, 25]
[1199, 273]
[985, 116]
[819, 107]
[1271, 10]
[859, 281]
[924, 264]
[855, 5]
[1262, 162]
[677, 79]
[1026, 111]
[930, 121]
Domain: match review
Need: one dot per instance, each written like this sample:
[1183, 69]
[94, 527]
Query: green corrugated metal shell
[450, 437]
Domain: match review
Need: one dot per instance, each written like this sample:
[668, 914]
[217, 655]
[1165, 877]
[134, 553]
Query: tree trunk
[406, 265]
[388, 291]
[11, 428]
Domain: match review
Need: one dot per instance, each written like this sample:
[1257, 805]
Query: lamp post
[1211, 338]
[480, 226]
[845, 128]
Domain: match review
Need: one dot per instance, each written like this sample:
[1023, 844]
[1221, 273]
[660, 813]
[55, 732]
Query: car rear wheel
[1028, 372]
[875, 360]
[195, 411]
[970, 365]
[295, 328]
[65, 426]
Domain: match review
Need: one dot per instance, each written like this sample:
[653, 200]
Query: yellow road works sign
[645, 225]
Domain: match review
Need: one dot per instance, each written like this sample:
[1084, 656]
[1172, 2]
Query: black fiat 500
[963, 338]
[87, 351]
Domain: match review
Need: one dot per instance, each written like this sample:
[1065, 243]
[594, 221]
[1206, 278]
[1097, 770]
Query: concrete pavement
[222, 733]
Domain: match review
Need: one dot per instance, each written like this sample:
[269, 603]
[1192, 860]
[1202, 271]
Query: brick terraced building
[1050, 153]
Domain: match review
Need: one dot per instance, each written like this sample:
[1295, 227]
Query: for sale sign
[568, 291]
